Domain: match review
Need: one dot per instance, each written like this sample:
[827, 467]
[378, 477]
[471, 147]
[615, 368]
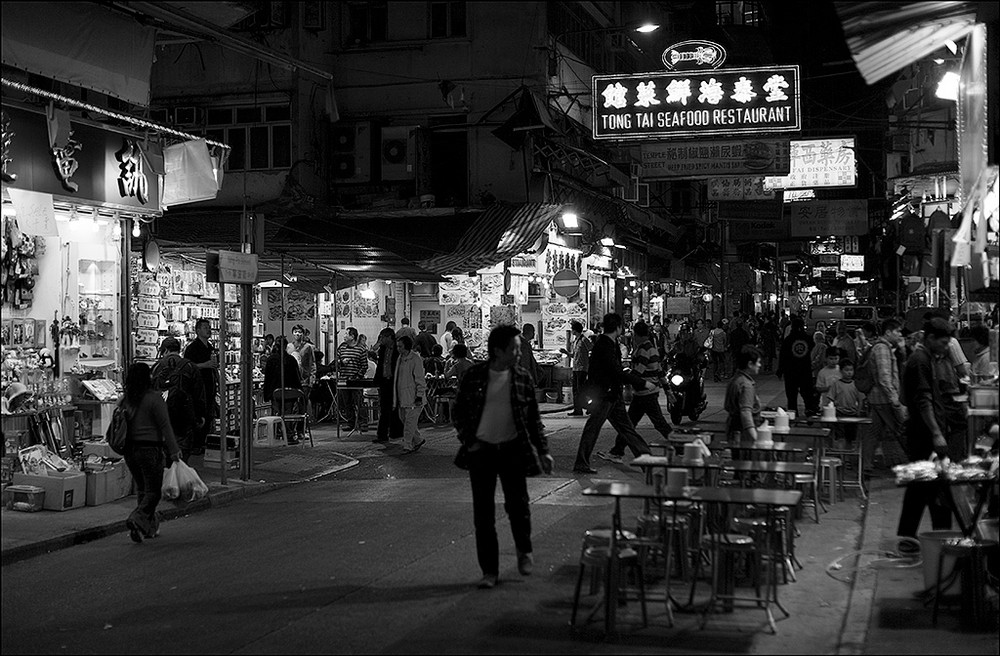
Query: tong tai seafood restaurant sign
[697, 103]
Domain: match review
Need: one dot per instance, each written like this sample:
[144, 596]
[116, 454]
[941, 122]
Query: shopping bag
[190, 484]
[170, 488]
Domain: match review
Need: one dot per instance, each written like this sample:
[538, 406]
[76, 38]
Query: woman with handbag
[496, 414]
[149, 433]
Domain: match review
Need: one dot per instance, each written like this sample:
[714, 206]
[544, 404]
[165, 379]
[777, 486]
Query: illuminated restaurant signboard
[725, 101]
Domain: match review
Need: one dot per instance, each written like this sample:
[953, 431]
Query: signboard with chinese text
[696, 103]
[734, 211]
[110, 169]
[827, 217]
[852, 262]
[754, 157]
[819, 163]
[758, 230]
[738, 187]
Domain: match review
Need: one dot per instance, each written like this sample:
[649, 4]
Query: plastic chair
[292, 407]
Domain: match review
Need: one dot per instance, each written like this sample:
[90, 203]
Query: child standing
[848, 400]
[828, 374]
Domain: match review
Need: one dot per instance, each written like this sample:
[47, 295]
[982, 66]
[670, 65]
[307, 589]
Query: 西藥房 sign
[819, 163]
[725, 101]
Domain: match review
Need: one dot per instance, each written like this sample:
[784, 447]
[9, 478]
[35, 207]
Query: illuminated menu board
[724, 101]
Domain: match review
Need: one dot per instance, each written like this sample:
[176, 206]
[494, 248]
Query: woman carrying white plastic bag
[181, 481]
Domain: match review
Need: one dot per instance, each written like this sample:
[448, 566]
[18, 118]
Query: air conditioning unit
[351, 152]
[396, 155]
[189, 116]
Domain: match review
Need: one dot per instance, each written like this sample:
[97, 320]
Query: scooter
[686, 386]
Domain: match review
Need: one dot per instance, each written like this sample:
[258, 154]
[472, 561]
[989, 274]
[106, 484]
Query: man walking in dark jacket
[606, 379]
[184, 392]
[796, 368]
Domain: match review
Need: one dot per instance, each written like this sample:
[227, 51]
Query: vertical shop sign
[132, 176]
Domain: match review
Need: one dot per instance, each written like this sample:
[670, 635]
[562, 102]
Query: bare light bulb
[136, 230]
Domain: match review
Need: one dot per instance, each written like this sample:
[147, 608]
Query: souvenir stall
[72, 191]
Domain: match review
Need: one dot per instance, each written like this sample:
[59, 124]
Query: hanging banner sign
[726, 101]
[700, 159]
[738, 187]
[827, 217]
[819, 163]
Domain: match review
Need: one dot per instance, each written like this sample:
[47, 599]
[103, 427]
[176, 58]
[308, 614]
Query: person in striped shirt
[352, 363]
[645, 401]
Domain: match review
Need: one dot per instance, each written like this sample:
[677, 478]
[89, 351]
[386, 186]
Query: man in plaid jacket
[496, 414]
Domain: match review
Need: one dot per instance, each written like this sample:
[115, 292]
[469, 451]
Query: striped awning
[502, 231]
[885, 37]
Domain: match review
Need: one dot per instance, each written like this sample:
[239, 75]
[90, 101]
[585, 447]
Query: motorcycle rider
[686, 359]
[646, 365]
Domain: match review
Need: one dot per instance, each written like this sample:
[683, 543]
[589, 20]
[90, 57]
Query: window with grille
[260, 138]
[739, 12]
[447, 19]
[367, 21]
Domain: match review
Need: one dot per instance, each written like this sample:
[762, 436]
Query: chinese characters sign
[696, 103]
[819, 163]
[827, 217]
[753, 157]
[738, 187]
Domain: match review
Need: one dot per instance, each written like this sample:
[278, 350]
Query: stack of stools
[595, 554]
[832, 478]
[370, 404]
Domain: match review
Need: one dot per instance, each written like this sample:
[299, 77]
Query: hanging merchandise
[189, 174]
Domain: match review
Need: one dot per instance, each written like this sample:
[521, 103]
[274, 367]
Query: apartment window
[739, 12]
[260, 138]
[368, 21]
[447, 19]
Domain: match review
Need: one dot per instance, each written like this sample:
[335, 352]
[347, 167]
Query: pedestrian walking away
[500, 428]
[646, 365]
[149, 433]
[795, 366]
[183, 390]
[409, 386]
[606, 378]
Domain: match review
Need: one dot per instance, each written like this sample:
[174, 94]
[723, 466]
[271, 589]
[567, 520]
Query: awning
[885, 37]
[317, 250]
[501, 232]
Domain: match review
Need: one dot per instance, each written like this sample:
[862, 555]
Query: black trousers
[145, 463]
[486, 464]
[644, 404]
[802, 384]
[613, 411]
[389, 424]
[579, 390]
[922, 495]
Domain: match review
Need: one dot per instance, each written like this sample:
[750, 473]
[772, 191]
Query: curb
[857, 619]
[216, 498]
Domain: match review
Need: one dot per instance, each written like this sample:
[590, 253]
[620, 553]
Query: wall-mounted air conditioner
[396, 155]
[351, 152]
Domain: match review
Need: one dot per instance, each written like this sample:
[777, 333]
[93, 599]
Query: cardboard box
[63, 490]
[106, 483]
[102, 449]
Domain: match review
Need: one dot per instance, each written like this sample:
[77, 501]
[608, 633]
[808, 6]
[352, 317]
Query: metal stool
[370, 404]
[760, 530]
[832, 475]
[266, 432]
[970, 564]
[598, 559]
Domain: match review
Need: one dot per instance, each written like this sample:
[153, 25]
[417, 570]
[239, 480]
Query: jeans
[350, 407]
[644, 404]
[612, 410]
[390, 426]
[718, 364]
[579, 389]
[885, 425]
[486, 464]
[146, 465]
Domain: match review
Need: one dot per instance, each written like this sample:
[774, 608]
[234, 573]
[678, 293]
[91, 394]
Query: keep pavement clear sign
[231, 267]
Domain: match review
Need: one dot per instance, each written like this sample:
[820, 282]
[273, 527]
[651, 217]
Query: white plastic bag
[190, 484]
[170, 488]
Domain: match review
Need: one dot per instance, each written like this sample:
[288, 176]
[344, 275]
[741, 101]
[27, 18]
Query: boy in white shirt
[848, 399]
[828, 374]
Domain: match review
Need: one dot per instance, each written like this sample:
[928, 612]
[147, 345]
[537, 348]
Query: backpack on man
[864, 374]
[169, 378]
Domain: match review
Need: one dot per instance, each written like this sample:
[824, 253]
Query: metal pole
[223, 429]
[246, 383]
[336, 369]
[281, 358]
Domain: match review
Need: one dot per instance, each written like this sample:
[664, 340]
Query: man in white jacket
[409, 385]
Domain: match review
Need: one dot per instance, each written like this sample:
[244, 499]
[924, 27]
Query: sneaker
[908, 547]
[488, 582]
[574, 414]
[611, 457]
[525, 563]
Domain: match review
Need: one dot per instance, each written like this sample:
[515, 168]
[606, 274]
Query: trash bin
[930, 551]
[567, 394]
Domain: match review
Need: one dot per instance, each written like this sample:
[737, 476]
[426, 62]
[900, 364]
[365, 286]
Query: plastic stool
[266, 432]
[833, 474]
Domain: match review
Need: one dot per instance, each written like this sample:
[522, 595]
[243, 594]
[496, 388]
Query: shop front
[74, 192]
